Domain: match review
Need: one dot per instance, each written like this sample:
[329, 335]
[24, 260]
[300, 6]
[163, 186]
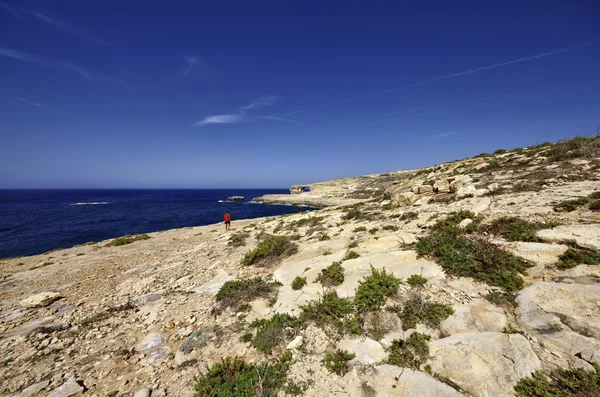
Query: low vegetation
[324, 237]
[271, 333]
[373, 290]
[575, 256]
[332, 275]
[270, 249]
[409, 216]
[411, 352]
[238, 239]
[236, 293]
[359, 229]
[338, 362]
[108, 313]
[517, 229]
[463, 254]
[128, 239]
[501, 298]
[329, 312]
[416, 280]
[353, 244]
[561, 383]
[392, 228]
[571, 205]
[419, 311]
[351, 255]
[298, 283]
[236, 377]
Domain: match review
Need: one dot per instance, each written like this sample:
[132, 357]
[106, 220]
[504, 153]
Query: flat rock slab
[587, 236]
[367, 350]
[484, 363]
[34, 389]
[40, 300]
[214, 285]
[478, 316]
[402, 264]
[566, 317]
[67, 389]
[409, 384]
[154, 348]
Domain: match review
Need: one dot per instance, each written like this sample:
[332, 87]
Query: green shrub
[409, 216]
[353, 244]
[359, 229]
[298, 283]
[329, 311]
[501, 298]
[372, 291]
[390, 227]
[351, 255]
[571, 205]
[595, 196]
[417, 311]
[470, 256]
[517, 229]
[561, 383]
[128, 239]
[238, 292]
[578, 256]
[238, 239]
[338, 362]
[270, 249]
[332, 275]
[271, 333]
[500, 151]
[411, 352]
[577, 147]
[595, 205]
[492, 165]
[324, 237]
[233, 377]
[416, 279]
[373, 230]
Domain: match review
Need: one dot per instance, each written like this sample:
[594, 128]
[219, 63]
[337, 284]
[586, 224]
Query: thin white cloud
[444, 134]
[260, 102]
[554, 11]
[29, 102]
[57, 64]
[64, 27]
[11, 9]
[449, 76]
[221, 119]
[242, 116]
[278, 119]
[190, 64]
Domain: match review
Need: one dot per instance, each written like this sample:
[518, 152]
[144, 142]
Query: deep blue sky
[265, 94]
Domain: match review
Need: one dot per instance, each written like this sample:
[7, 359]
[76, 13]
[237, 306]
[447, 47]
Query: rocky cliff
[466, 278]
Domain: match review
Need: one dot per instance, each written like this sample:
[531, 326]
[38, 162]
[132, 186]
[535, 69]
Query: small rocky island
[236, 198]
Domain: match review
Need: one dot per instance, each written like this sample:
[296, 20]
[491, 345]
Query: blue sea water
[36, 221]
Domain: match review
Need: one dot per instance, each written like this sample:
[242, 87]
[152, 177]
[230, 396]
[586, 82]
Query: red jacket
[227, 218]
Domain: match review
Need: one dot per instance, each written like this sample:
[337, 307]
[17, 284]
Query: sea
[36, 221]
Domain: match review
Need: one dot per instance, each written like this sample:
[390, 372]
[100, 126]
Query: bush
[235, 377]
[329, 311]
[271, 333]
[351, 255]
[324, 237]
[338, 362]
[373, 230]
[390, 227]
[409, 216]
[571, 205]
[332, 275]
[270, 249]
[238, 239]
[469, 256]
[578, 256]
[595, 205]
[500, 151]
[411, 352]
[518, 229]
[238, 292]
[416, 279]
[359, 229]
[372, 291]
[501, 298]
[128, 239]
[577, 147]
[417, 311]
[561, 383]
[298, 283]
[353, 244]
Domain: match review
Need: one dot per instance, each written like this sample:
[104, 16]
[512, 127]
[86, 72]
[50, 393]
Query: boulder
[484, 363]
[587, 236]
[404, 199]
[236, 198]
[213, 286]
[459, 182]
[143, 392]
[441, 186]
[466, 190]
[565, 317]
[69, 388]
[410, 383]
[425, 189]
[40, 300]
[34, 389]
[367, 350]
[464, 223]
[478, 316]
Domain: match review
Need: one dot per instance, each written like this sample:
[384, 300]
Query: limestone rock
[484, 364]
[69, 388]
[459, 182]
[236, 198]
[214, 285]
[587, 236]
[410, 383]
[197, 339]
[441, 186]
[478, 316]
[404, 199]
[464, 223]
[566, 317]
[466, 190]
[367, 351]
[295, 343]
[153, 346]
[34, 389]
[40, 300]
[425, 189]
[144, 392]
[181, 358]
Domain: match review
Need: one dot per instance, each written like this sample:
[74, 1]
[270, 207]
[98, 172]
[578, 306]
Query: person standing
[227, 220]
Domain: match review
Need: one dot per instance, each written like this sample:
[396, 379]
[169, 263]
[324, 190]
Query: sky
[189, 94]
